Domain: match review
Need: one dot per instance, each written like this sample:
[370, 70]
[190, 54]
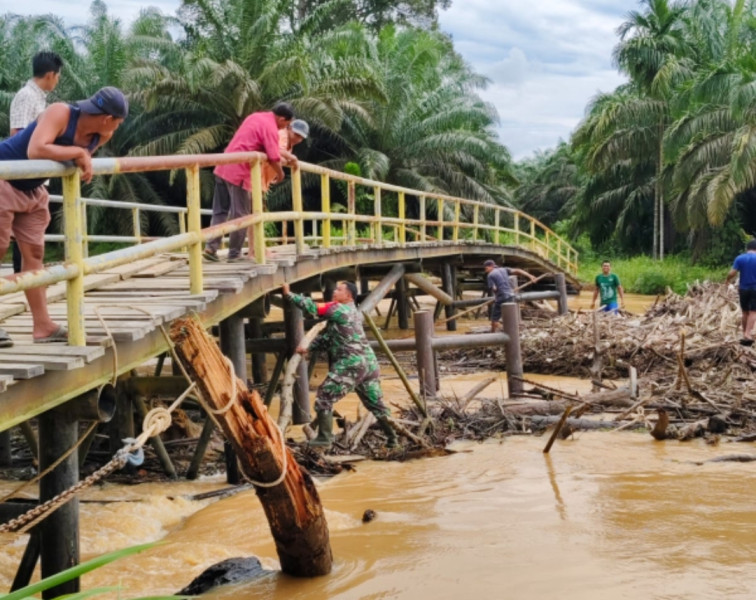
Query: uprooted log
[292, 506]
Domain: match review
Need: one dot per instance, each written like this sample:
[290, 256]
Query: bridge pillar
[294, 332]
[5, 448]
[426, 357]
[232, 346]
[510, 314]
[448, 282]
[561, 286]
[259, 370]
[402, 303]
[58, 432]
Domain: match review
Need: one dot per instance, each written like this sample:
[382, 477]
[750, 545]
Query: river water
[604, 516]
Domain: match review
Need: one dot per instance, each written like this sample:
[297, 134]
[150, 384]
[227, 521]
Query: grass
[643, 275]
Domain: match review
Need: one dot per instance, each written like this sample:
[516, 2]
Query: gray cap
[300, 127]
[106, 101]
[489, 263]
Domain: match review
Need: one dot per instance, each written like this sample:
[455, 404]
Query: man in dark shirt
[62, 132]
[745, 264]
[497, 279]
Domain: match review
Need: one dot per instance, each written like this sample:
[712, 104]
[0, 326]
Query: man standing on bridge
[353, 365]
[497, 279]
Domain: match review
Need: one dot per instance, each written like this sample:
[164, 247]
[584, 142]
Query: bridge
[114, 303]
[117, 305]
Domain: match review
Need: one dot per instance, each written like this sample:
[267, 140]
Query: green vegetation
[643, 275]
[79, 570]
[663, 165]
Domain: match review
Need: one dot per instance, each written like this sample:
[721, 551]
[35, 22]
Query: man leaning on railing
[62, 132]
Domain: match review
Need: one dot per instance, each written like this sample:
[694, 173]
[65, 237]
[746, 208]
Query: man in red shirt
[258, 133]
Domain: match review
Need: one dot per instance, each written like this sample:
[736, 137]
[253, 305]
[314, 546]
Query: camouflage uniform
[353, 365]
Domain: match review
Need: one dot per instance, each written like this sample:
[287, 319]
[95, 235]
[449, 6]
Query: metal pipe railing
[373, 228]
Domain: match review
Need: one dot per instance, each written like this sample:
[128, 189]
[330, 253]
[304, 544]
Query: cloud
[545, 60]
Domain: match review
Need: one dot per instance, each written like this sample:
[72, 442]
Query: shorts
[26, 215]
[496, 308]
[747, 299]
[610, 307]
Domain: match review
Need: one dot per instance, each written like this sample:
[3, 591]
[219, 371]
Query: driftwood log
[293, 508]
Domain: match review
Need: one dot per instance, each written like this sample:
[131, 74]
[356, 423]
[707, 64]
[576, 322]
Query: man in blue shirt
[745, 264]
[497, 279]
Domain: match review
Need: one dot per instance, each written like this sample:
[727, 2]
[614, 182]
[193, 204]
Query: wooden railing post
[497, 226]
[440, 215]
[325, 206]
[84, 231]
[351, 225]
[422, 218]
[455, 230]
[517, 228]
[297, 205]
[532, 235]
[72, 227]
[257, 209]
[136, 225]
[378, 212]
[402, 216]
[476, 216]
[195, 225]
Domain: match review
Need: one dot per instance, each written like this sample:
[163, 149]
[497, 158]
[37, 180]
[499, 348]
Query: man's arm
[523, 273]
[51, 124]
[621, 292]
[288, 158]
[731, 275]
[276, 165]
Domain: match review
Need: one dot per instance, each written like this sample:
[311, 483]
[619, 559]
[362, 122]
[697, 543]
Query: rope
[284, 466]
[155, 422]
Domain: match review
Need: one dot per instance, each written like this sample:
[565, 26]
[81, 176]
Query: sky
[545, 60]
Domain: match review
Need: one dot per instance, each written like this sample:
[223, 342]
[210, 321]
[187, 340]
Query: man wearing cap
[497, 279]
[63, 132]
[231, 198]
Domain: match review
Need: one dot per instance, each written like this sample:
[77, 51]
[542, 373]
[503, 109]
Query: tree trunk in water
[293, 507]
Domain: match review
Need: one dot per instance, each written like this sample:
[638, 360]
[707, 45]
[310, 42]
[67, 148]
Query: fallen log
[542, 422]
[291, 503]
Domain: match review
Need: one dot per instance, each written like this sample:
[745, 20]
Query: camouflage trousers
[363, 378]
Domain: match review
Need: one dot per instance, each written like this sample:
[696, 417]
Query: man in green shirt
[608, 285]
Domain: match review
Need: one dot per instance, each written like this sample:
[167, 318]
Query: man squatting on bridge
[231, 197]
[352, 362]
[63, 132]
[497, 280]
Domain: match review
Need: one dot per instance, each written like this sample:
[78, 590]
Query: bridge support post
[259, 370]
[402, 303]
[561, 286]
[5, 448]
[294, 332]
[232, 346]
[426, 357]
[510, 314]
[448, 282]
[58, 432]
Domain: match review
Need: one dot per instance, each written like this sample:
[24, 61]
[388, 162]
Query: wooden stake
[293, 508]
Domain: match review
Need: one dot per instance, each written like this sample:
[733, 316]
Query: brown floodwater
[605, 515]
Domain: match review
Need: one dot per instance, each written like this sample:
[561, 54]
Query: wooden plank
[129, 269]
[21, 371]
[160, 269]
[86, 353]
[49, 361]
[105, 295]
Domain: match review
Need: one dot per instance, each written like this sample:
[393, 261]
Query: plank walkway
[125, 307]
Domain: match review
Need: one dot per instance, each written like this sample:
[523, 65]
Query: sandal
[5, 339]
[59, 335]
[210, 256]
[746, 342]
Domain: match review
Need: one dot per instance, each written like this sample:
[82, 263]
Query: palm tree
[653, 52]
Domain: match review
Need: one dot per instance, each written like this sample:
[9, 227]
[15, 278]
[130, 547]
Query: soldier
[353, 365]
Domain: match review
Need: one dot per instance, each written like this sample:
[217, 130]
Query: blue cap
[107, 101]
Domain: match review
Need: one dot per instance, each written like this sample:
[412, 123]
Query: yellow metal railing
[455, 219]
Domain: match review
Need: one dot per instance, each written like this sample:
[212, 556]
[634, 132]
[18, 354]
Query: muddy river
[604, 516]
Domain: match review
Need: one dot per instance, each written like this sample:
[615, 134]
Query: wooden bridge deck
[125, 307]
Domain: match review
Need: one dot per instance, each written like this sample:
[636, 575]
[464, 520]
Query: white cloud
[546, 60]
